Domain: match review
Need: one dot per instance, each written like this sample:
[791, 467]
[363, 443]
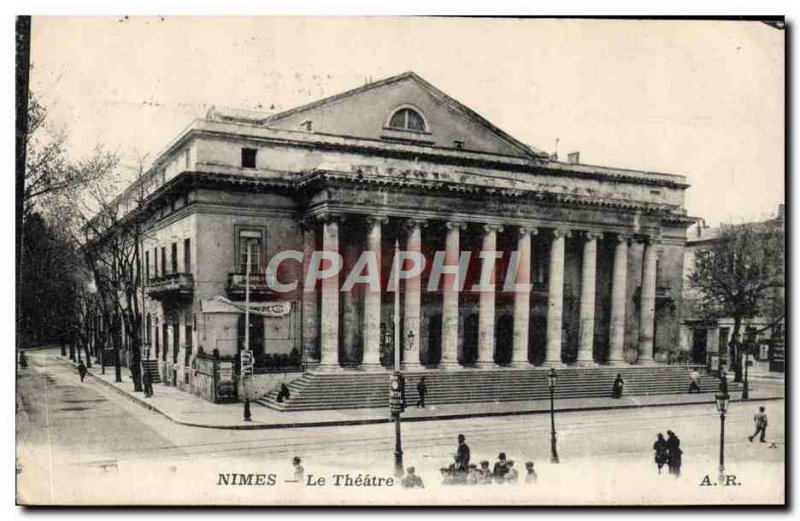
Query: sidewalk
[186, 409]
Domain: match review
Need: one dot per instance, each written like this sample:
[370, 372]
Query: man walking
[82, 370]
[422, 390]
[148, 384]
[760, 420]
[462, 454]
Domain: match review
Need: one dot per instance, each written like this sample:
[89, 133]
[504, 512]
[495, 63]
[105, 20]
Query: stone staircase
[152, 366]
[351, 389]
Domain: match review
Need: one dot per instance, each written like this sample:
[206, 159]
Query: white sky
[702, 99]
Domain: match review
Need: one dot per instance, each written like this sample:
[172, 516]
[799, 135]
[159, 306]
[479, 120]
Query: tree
[741, 276]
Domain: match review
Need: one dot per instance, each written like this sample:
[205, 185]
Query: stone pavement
[186, 409]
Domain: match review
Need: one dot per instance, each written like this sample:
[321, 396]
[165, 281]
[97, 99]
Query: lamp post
[396, 382]
[722, 400]
[552, 378]
[746, 383]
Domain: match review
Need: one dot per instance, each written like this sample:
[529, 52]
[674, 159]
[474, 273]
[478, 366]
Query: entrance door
[470, 352]
[434, 353]
[504, 339]
[537, 339]
[699, 346]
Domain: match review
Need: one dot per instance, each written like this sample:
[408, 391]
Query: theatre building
[399, 162]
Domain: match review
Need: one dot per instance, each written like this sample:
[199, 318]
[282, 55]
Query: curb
[373, 421]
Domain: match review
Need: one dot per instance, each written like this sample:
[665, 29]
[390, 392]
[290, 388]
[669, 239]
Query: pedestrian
[283, 393]
[512, 476]
[674, 454]
[247, 416]
[147, 380]
[694, 384]
[462, 453]
[485, 473]
[530, 475]
[660, 446]
[723, 382]
[299, 471]
[422, 390]
[500, 467]
[81, 370]
[616, 389]
[23, 360]
[760, 420]
[411, 480]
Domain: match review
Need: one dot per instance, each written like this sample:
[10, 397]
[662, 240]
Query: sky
[702, 99]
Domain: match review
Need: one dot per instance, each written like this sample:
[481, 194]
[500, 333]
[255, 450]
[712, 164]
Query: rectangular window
[188, 351]
[158, 344]
[187, 255]
[163, 261]
[165, 333]
[155, 262]
[249, 157]
[252, 240]
[147, 267]
[174, 257]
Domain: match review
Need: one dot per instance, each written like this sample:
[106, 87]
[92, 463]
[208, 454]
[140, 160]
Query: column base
[616, 363]
[328, 368]
[449, 365]
[645, 361]
[412, 367]
[585, 363]
[554, 364]
[520, 364]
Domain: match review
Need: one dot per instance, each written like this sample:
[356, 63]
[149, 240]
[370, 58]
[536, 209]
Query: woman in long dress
[660, 446]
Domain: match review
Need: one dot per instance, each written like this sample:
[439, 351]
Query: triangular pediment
[368, 113]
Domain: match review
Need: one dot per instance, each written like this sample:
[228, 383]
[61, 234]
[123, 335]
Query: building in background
[707, 341]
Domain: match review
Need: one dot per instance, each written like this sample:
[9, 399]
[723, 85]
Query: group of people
[462, 472]
[668, 452]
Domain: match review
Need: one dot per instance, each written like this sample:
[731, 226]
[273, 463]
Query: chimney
[574, 158]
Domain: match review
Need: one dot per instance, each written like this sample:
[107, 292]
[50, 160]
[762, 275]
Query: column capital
[376, 219]
[413, 222]
[488, 228]
[623, 237]
[328, 217]
[592, 235]
[650, 239]
[460, 225]
[524, 230]
[561, 232]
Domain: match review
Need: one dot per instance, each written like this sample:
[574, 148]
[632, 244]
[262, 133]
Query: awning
[221, 304]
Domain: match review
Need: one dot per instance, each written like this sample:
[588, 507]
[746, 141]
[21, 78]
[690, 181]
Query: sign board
[246, 357]
[221, 304]
[713, 363]
[225, 371]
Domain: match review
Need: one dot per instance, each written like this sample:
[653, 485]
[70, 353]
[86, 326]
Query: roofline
[434, 91]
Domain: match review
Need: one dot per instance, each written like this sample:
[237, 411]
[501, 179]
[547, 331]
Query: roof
[430, 89]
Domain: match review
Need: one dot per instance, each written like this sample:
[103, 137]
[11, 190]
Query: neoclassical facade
[583, 263]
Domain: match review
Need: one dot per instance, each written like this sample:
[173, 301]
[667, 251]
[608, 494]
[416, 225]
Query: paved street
[67, 429]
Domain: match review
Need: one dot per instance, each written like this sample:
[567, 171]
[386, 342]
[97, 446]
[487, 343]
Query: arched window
[407, 119]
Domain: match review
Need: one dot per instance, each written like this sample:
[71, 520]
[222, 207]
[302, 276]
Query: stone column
[450, 297]
[413, 300]
[329, 334]
[350, 335]
[522, 299]
[372, 299]
[310, 311]
[588, 277]
[486, 318]
[616, 337]
[555, 298]
[647, 300]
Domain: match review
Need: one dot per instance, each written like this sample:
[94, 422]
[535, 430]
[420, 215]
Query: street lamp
[746, 383]
[552, 379]
[722, 400]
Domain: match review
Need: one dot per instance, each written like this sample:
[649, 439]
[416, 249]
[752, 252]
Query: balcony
[257, 283]
[171, 286]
